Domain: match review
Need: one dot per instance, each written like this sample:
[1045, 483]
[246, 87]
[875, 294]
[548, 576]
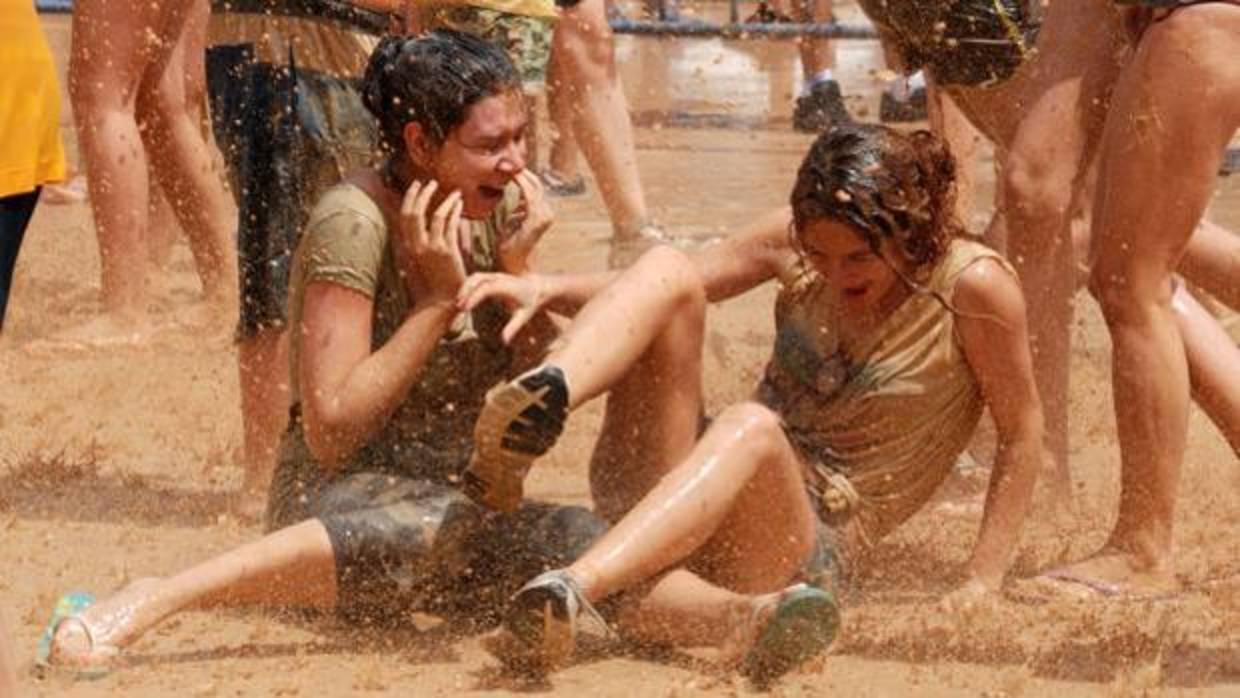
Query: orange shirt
[31, 152]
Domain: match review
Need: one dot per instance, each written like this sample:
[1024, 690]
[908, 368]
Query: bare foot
[1109, 573]
[70, 192]
[102, 333]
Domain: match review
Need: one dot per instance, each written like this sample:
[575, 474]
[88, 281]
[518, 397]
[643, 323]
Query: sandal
[83, 667]
[520, 421]
[559, 185]
[542, 618]
[803, 625]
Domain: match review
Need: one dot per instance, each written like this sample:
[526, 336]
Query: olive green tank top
[881, 429]
[346, 242]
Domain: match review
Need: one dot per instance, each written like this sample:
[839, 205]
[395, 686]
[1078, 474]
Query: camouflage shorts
[526, 40]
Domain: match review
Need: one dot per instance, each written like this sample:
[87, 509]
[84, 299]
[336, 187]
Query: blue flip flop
[803, 625]
[67, 608]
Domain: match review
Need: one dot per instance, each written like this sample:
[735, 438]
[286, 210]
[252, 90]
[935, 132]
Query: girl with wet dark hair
[892, 335]
[387, 375]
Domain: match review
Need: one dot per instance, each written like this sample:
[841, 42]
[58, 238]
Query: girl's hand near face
[531, 219]
[434, 244]
[524, 296]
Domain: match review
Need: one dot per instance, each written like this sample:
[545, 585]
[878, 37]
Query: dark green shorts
[405, 543]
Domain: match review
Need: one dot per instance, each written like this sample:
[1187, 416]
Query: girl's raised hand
[434, 244]
[531, 219]
[524, 296]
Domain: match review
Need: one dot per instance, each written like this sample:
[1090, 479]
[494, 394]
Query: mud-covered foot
[520, 421]
[105, 333]
[821, 109]
[1107, 574]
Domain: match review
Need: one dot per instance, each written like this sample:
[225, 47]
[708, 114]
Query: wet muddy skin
[114, 467]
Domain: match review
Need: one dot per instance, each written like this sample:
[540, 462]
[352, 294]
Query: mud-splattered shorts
[287, 134]
[405, 543]
[526, 40]
[970, 43]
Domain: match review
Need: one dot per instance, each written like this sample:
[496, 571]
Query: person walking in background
[288, 116]
[126, 81]
[31, 153]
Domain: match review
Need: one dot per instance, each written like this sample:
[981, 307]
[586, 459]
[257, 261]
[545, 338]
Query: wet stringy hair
[432, 80]
[884, 185]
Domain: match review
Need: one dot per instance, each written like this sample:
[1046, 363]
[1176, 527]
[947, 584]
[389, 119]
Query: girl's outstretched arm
[991, 327]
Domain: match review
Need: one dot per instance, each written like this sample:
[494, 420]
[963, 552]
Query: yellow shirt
[30, 149]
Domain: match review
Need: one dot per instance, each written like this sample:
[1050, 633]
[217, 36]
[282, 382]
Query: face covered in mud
[873, 208]
[480, 156]
[860, 277]
[449, 108]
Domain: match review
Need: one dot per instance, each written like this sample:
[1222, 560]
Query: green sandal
[805, 621]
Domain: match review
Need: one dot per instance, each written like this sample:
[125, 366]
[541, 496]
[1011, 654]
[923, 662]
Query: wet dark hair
[885, 185]
[432, 79]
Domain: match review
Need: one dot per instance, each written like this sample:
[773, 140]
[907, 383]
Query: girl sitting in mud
[892, 336]
[387, 377]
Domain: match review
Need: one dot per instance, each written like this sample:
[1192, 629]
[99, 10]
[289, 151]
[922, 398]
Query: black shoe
[543, 618]
[893, 110]
[1231, 162]
[765, 14]
[520, 421]
[820, 109]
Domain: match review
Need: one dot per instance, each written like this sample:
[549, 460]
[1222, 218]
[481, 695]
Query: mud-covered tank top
[887, 422]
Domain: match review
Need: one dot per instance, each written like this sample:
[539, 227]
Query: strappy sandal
[543, 618]
[803, 625]
[520, 421]
[95, 663]
[559, 185]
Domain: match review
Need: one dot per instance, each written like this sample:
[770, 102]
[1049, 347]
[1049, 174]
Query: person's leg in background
[1045, 121]
[821, 104]
[15, 213]
[1174, 110]
[185, 169]
[116, 51]
[562, 175]
[586, 74]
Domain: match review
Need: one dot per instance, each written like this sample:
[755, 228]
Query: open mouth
[491, 193]
[856, 292]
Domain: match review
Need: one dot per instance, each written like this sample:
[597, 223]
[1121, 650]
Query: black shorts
[287, 135]
[403, 543]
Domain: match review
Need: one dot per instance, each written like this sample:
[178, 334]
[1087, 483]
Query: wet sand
[118, 466]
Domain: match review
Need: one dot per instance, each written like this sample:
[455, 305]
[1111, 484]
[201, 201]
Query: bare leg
[294, 566]
[1212, 261]
[564, 157]
[262, 361]
[817, 54]
[954, 128]
[107, 61]
[651, 320]
[1213, 364]
[1045, 121]
[737, 506]
[589, 81]
[186, 169]
[1174, 110]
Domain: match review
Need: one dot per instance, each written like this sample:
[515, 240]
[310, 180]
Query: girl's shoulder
[346, 199]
